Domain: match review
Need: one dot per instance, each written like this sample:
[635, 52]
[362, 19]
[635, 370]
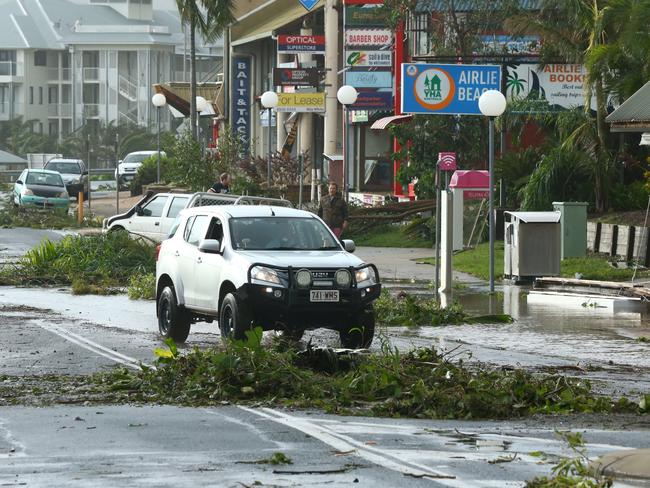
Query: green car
[40, 188]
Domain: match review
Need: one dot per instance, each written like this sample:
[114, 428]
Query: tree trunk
[193, 114]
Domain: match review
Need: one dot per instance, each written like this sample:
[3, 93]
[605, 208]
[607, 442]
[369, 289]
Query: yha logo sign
[434, 88]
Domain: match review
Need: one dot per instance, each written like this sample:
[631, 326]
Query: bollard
[80, 208]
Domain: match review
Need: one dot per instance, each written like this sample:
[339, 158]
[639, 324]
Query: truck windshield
[64, 168]
[281, 234]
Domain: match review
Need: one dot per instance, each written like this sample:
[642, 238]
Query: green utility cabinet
[573, 228]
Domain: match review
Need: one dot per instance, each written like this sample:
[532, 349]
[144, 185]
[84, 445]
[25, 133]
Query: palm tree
[210, 18]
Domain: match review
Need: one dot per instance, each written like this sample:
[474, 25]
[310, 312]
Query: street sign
[447, 161]
[365, 16]
[295, 77]
[368, 37]
[301, 44]
[369, 79]
[301, 102]
[373, 100]
[363, 59]
[308, 4]
[446, 88]
[241, 116]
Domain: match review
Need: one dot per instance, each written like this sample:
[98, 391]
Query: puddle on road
[580, 334]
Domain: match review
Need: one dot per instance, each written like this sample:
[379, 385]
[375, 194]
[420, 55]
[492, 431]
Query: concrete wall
[624, 241]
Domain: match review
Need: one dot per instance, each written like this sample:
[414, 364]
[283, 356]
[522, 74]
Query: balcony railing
[91, 74]
[91, 110]
[11, 68]
[58, 74]
[59, 110]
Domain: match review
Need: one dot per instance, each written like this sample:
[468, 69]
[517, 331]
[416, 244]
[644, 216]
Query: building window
[40, 95]
[53, 94]
[376, 166]
[40, 127]
[31, 95]
[40, 58]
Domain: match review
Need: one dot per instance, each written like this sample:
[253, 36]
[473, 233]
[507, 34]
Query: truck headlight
[343, 278]
[63, 194]
[262, 275]
[26, 191]
[303, 278]
[366, 276]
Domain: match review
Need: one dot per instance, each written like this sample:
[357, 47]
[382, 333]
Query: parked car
[74, 174]
[40, 188]
[127, 168]
[153, 215]
[275, 267]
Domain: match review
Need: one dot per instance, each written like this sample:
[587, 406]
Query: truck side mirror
[210, 246]
[19, 182]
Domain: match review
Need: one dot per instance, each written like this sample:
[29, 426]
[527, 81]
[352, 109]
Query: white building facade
[66, 65]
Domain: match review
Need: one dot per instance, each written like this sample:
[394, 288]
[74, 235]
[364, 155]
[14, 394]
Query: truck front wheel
[173, 320]
[234, 320]
[360, 331]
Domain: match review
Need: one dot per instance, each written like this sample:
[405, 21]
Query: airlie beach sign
[301, 44]
[446, 88]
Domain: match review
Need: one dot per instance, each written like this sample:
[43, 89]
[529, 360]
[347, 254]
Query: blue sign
[308, 4]
[369, 79]
[241, 90]
[373, 100]
[446, 88]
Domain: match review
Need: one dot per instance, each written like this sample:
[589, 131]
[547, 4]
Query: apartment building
[65, 64]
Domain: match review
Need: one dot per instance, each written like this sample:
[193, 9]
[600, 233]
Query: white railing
[59, 110]
[127, 88]
[11, 68]
[128, 118]
[91, 110]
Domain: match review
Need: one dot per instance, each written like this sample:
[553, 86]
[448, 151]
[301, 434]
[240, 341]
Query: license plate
[323, 295]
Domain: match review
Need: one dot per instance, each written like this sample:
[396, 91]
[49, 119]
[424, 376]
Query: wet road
[51, 331]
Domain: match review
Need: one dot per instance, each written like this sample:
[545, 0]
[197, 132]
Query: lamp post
[269, 102]
[159, 101]
[492, 103]
[201, 104]
[346, 95]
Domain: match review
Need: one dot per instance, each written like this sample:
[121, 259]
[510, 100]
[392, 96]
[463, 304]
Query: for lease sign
[301, 102]
[288, 43]
[368, 37]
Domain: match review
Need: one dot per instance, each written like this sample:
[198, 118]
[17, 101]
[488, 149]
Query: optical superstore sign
[301, 44]
[446, 88]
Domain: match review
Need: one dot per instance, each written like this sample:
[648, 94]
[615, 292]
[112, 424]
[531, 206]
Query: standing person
[221, 186]
[333, 210]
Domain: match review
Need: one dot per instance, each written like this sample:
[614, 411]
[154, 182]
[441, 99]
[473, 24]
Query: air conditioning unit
[645, 139]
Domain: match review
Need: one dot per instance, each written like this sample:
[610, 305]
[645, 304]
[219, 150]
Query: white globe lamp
[492, 103]
[269, 99]
[347, 95]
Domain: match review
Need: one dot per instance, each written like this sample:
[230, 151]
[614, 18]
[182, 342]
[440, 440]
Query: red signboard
[447, 161]
[288, 43]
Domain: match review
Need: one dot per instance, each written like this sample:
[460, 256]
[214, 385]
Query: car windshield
[136, 158]
[44, 179]
[64, 168]
[281, 234]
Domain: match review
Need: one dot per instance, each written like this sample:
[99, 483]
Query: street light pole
[346, 96]
[492, 103]
[200, 107]
[159, 100]
[269, 101]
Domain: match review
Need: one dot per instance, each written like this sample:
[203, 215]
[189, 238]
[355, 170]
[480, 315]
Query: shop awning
[385, 122]
[261, 23]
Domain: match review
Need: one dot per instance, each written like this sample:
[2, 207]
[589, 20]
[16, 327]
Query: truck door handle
[156, 223]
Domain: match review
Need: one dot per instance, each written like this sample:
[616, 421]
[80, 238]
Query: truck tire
[360, 332]
[173, 319]
[234, 320]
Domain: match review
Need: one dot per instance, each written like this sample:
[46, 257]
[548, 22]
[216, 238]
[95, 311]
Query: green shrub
[148, 173]
[142, 286]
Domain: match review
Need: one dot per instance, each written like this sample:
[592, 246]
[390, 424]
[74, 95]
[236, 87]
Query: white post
[446, 240]
[331, 76]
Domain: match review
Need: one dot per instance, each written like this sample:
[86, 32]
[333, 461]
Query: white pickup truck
[152, 217]
[262, 265]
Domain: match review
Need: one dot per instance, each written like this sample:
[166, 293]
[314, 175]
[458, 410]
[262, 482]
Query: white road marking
[344, 444]
[94, 347]
[19, 449]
